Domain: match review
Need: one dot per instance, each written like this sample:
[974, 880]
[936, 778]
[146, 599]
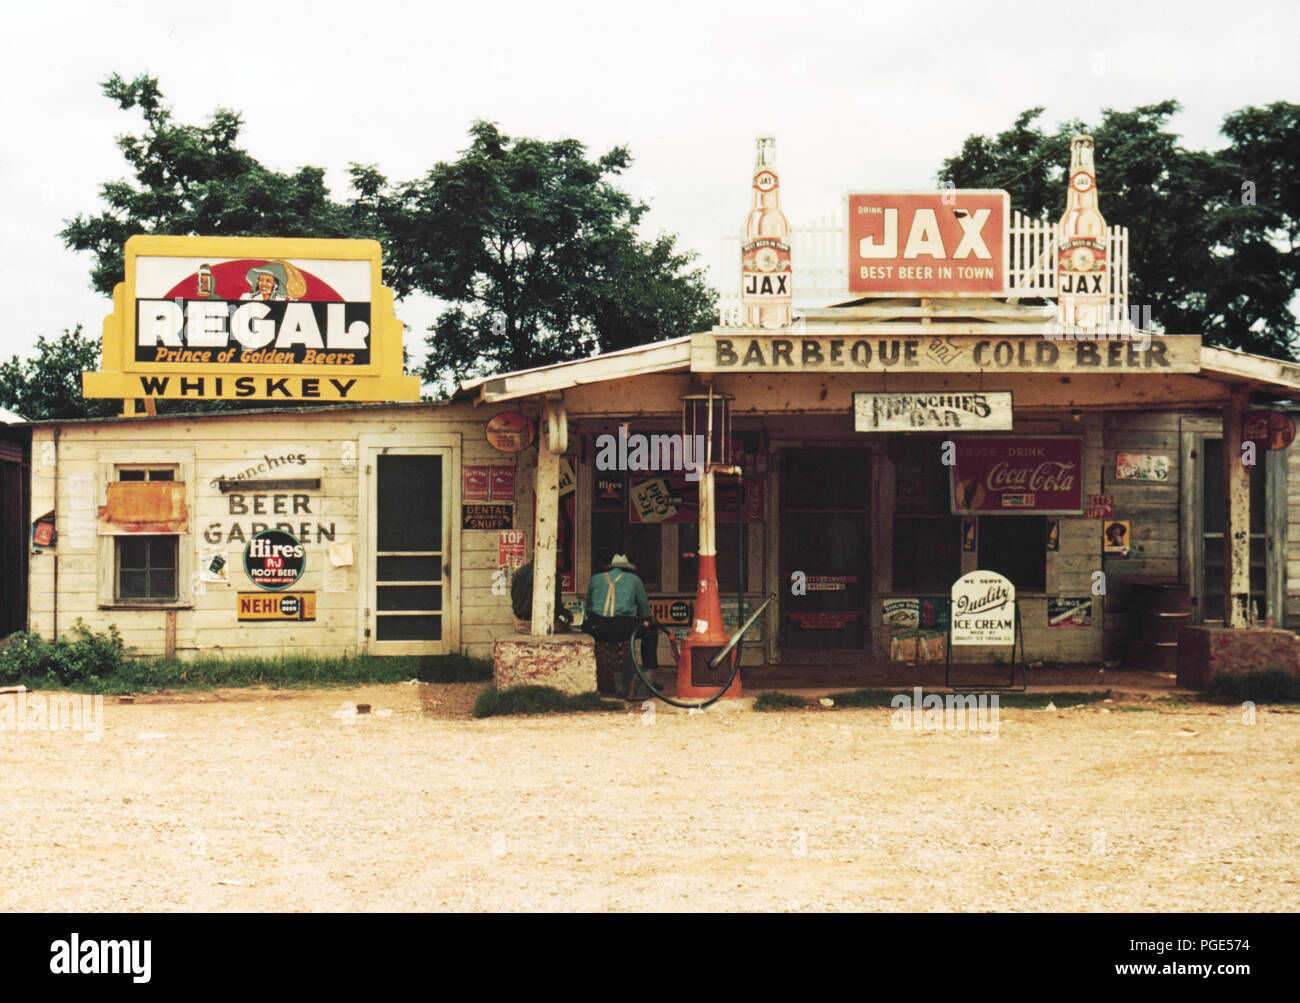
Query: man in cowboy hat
[616, 600]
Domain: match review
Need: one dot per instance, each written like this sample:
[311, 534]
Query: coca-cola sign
[1039, 475]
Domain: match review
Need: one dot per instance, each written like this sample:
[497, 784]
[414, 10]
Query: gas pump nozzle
[716, 660]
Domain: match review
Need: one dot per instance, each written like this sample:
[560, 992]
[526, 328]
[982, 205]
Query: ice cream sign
[951, 243]
[252, 318]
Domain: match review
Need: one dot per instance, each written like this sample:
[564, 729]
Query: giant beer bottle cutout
[765, 275]
[1081, 279]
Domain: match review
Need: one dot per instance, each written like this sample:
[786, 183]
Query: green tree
[48, 385]
[534, 250]
[1204, 257]
[197, 180]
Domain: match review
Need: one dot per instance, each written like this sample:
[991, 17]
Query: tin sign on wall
[1018, 476]
[277, 606]
[988, 411]
[951, 243]
[509, 432]
[274, 559]
[983, 609]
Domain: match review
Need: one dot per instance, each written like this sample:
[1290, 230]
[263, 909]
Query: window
[927, 537]
[1015, 546]
[145, 565]
[612, 533]
[146, 474]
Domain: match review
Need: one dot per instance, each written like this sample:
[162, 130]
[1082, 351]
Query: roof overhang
[659, 357]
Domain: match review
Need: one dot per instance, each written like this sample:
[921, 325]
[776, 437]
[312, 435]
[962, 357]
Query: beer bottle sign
[765, 274]
[1081, 277]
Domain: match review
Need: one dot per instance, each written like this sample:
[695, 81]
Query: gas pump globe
[706, 421]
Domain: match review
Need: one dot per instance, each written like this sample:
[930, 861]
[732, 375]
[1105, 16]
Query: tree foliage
[197, 180]
[48, 385]
[1214, 236]
[531, 247]
[535, 251]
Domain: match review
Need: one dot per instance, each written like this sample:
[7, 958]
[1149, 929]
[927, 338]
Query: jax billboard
[949, 243]
[251, 318]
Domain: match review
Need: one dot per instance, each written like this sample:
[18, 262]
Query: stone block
[566, 662]
[1204, 651]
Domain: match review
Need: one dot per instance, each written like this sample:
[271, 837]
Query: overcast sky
[862, 95]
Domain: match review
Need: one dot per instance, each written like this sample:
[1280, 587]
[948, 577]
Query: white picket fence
[819, 253]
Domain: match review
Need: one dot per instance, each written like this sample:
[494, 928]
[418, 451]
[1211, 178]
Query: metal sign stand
[1011, 686]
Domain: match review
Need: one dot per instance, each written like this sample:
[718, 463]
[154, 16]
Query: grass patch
[771, 700]
[1271, 686]
[99, 663]
[1029, 701]
[493, 702]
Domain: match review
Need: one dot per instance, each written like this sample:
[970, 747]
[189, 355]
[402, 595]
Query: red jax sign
[951, 243]
[1017, 476]
[253, 319]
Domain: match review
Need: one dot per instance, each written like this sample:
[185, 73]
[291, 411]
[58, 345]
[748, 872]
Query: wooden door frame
[369, 448]
[1194, 432]
[874, 450]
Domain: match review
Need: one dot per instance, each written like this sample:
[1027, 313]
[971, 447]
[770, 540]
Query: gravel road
[286, 801]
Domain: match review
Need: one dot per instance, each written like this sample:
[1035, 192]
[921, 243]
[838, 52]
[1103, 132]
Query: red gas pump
[707, 668]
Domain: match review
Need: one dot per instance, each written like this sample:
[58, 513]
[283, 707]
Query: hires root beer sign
[1040, 475]
[951, 243]
[252, 318]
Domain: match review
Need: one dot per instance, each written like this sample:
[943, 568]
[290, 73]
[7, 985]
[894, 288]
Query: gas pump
[708, 660]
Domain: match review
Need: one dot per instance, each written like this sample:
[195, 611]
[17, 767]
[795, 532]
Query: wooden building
[407, 513]
[980, 395]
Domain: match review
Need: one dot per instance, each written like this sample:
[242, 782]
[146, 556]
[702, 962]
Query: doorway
[409, 595]
[824, 526]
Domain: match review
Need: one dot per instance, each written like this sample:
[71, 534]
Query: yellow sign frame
[381, 379]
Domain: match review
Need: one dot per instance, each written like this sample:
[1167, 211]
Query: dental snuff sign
[983, 609]
[951, 243]
[251, 318]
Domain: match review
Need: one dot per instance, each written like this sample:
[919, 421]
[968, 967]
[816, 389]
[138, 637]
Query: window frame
[111, 465]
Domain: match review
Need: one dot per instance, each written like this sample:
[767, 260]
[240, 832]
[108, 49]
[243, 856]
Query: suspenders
[609, 596]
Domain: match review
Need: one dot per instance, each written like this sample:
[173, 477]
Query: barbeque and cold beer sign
[239, 318]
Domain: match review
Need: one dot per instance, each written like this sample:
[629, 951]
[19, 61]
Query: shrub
[1266, 686]
[86, 659]
[771, 700]
[538, 700]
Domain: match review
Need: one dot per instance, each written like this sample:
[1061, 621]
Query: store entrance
[824, 532]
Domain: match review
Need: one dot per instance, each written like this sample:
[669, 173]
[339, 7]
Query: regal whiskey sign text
[254, 319]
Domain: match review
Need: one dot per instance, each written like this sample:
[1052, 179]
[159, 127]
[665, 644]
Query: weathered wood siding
[208, 448]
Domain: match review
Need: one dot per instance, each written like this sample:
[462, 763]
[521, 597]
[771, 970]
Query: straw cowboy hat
[621, 561]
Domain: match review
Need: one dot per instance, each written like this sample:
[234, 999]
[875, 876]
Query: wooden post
[548, 521]
[1236, 529]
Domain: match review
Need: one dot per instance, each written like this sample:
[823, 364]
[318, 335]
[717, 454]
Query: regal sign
[241, 318]
[1024, 475]
[951, 243]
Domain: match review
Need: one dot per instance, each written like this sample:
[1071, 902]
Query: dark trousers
[614, 672]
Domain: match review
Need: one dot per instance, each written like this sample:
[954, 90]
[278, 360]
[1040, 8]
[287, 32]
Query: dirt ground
[286, 801]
